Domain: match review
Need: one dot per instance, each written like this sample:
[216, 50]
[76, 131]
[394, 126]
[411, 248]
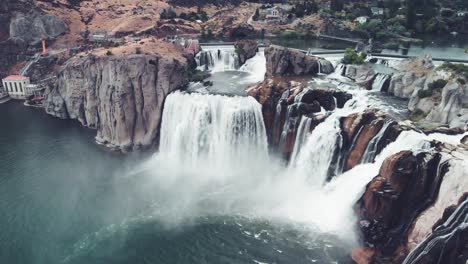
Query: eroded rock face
[407, 184]
[284, 102]
[413, 75]
[121, 96]
[286, 62]
[365, 135]
[246, 49]
[449, 239]
[451, 109]
[33, 27]
[363, 75]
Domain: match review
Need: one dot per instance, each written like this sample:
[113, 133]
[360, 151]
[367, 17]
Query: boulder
[325, 98]
[363, 75]
[287, 62]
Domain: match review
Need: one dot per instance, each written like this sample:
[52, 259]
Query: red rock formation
[358, 130]
[406, 185]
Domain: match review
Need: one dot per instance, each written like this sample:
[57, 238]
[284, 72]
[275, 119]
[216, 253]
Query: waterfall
[372, 146]
[256, 67]
[318, 152]
[380, 81]
[218, 59]
[302, 133]
[212, 128]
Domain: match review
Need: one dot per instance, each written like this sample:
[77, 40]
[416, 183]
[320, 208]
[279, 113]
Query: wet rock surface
[404, 200]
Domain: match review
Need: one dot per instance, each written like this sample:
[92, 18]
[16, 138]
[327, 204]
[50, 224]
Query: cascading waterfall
[372, 147]
[256, 67]
[212, 128]
[218, 59]
[316, 155]
[301, 137]
[379, 81]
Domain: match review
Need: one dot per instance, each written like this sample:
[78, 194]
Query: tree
[410, 13]
[336, 5]
[256, 15]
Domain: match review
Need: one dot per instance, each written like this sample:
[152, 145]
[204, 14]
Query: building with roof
[377, 11]
[15, 86]
[361, 19]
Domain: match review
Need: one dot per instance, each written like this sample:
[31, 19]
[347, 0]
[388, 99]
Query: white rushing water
[215, 128]
[379, 81]
[218, 59]
[213, 160]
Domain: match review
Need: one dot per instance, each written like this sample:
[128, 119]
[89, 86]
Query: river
[66, 200]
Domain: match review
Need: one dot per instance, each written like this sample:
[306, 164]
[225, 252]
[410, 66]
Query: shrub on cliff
[352, 57]
[437, 85]
[460, 69]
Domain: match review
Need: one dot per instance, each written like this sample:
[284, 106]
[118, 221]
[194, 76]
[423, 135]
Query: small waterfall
[302, 133]
[218, 59]
[380, 81]
[316, 155]
[372, 147]
[325, 66]
[256, 67]
[213, 128]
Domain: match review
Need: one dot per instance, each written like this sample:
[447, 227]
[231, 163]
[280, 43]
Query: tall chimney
[44, 49]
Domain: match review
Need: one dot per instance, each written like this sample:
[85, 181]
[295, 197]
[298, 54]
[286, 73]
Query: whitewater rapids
[213, 160]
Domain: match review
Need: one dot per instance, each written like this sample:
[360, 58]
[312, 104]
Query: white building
[15, 86]
[462, 13]
[377, 11]
[361, 20]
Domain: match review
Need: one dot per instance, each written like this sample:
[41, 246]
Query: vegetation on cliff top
[352, 57]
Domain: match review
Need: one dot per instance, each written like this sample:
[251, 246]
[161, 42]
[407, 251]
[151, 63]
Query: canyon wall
[120, 95]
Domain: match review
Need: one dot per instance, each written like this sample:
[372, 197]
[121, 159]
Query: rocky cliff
[118, 92]
[34, 26]
[410, 198]
[285, 100]
[412, 75]
[288, 62]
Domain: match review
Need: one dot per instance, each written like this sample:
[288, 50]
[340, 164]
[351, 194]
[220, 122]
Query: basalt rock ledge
[119, 95]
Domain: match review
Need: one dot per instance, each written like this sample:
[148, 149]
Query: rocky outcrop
[364, 136]
[448, 241]
[413, 75]
[120, 95]
[404, 187]
[406, 203]
[284, 102]
[363, 75]
[33, 27]
[246, 49]
[452, 108]
[287, 62]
